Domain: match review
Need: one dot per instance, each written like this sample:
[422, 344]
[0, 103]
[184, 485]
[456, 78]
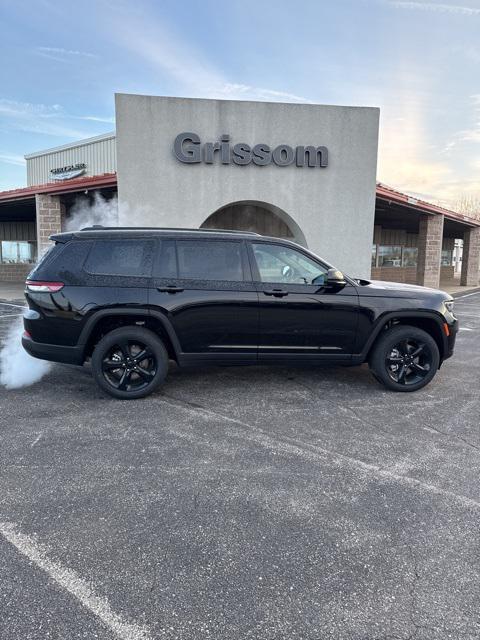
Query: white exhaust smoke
[17, 367]
[86, 214]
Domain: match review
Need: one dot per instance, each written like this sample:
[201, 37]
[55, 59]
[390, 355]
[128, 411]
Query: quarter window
[280, 264]
[210, 260]
[121, 258]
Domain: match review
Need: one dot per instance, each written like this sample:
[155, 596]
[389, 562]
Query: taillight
[43, 287]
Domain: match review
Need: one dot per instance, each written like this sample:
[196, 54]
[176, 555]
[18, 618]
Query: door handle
[277, 293]
[170, 289]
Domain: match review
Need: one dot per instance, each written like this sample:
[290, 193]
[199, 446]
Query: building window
[409, 256]
[389, 256]
[447, 257]
[374, 255]
[14, 252]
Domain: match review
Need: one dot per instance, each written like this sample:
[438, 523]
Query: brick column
[50, 212]
[430, 237]
[470, 258]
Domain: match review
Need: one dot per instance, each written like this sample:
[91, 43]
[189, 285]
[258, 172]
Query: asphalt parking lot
[243, 503]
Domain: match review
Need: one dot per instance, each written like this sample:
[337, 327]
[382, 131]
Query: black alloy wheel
[129, 362]
[405, 358]
[409, 361]
[129, 365]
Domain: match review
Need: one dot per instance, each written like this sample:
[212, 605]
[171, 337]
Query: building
[306, 172]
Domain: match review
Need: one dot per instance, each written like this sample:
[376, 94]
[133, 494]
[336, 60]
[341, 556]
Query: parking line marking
[314, 452]
[467, 295]
[19, 306]
[73, 583]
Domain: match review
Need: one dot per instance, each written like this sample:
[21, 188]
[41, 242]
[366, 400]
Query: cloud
[172, 55]
[473, 133]
[257, 93]
[439, 8]
[44, 119]
[16, 160]
[108, 120]
[63, 55]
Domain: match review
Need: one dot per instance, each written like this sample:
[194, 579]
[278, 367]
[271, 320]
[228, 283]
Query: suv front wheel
[129, 362]
[405, 358]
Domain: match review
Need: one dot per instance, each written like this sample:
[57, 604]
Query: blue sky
[61, 63]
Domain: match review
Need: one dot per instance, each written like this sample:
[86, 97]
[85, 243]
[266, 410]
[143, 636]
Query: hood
[399, 289]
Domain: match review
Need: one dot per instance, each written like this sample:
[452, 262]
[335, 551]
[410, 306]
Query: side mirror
[335, 278]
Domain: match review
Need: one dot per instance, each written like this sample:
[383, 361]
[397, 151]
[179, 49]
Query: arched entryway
[252, 215]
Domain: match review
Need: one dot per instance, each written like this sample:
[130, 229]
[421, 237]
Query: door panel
[212, 317]
[298, 317]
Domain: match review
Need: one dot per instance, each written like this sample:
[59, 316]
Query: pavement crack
[454, 436]
[313, 452]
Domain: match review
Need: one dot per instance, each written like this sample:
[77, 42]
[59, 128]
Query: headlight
[449, 305]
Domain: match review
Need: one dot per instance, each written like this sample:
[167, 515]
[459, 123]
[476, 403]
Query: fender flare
[393, 315]
[122, 311]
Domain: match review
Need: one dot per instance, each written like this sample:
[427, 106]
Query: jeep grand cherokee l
[130, 299]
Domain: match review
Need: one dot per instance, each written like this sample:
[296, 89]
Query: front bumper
[53, 352]
[450, 343]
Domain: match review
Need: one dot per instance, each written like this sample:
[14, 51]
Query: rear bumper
[53, 352]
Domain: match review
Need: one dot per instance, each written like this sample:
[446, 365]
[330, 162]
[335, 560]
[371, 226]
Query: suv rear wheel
[405, 358]
[129, 362]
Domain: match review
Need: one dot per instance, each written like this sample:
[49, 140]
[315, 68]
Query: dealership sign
[188, 148]
[69, 172]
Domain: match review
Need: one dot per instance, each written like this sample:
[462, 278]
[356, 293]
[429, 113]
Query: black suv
[132, 299]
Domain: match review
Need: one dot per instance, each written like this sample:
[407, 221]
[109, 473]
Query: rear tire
[405, 358]
[129, 363]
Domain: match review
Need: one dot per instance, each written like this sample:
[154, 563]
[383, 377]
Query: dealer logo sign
[189, 149]
[69, 172]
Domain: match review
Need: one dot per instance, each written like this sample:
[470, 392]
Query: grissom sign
[69, 172]
[188, 148]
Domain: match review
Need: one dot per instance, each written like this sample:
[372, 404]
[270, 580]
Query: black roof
[97, 231]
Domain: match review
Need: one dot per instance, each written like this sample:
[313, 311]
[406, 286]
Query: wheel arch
[104, 321]
[428, 321]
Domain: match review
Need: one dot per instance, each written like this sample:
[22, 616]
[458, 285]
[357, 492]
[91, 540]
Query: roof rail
[97, 227]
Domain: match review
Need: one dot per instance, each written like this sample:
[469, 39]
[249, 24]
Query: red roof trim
[77, 184]
[392, 195]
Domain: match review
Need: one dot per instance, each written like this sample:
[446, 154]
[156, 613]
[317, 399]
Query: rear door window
[210, 260]
[132, 258]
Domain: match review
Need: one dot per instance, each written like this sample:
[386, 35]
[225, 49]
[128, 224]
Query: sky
[419, 61]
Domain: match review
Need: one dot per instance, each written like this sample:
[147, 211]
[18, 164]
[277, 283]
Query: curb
[468, 292]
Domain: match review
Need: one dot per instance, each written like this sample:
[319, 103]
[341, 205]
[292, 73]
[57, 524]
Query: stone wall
[407, 275]
[14, 272]
[470, 258]
[50, 213]
[430, 238]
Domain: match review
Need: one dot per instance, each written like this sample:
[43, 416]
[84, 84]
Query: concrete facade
[329, 209]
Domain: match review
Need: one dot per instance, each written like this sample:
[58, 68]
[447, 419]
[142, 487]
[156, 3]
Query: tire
[405, 358]
[132, 378]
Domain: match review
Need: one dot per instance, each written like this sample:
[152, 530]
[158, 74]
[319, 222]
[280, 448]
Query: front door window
[283, 265]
